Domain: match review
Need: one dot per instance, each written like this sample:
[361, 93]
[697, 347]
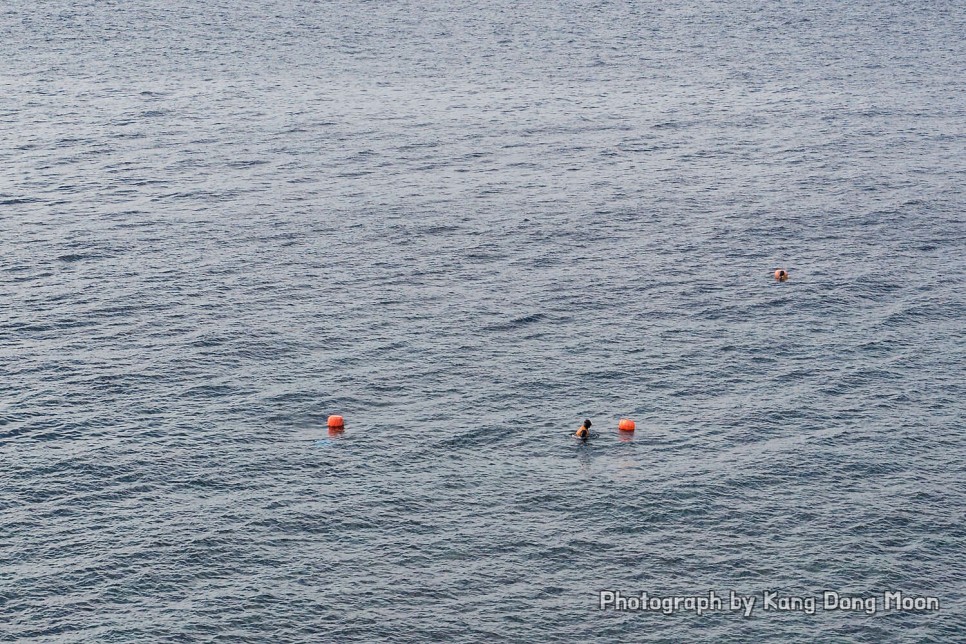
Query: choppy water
[466, 227]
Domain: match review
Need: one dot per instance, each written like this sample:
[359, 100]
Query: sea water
[466, 227]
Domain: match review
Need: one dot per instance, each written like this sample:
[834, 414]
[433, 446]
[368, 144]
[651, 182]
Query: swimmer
[781, 275]
[584, 432]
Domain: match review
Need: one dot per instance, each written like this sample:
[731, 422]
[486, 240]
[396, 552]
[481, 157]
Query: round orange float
[336, 423]
[626, 425]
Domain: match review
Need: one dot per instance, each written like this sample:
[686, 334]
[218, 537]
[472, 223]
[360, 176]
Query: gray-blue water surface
[466, 227]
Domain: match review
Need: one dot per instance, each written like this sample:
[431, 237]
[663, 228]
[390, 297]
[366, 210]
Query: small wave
[16, 201]
[70, 258]
[516, 323]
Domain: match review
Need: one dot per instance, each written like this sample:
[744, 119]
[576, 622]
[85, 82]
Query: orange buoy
[336, 423]
[781, 275]
[626, 425]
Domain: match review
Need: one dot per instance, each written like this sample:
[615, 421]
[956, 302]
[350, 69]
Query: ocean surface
[466, 227]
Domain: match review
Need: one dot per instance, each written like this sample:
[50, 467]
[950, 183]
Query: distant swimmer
[584, 432]
[781, 275]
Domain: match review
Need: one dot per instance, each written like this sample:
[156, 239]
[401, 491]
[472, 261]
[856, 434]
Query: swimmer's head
[587, 423]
